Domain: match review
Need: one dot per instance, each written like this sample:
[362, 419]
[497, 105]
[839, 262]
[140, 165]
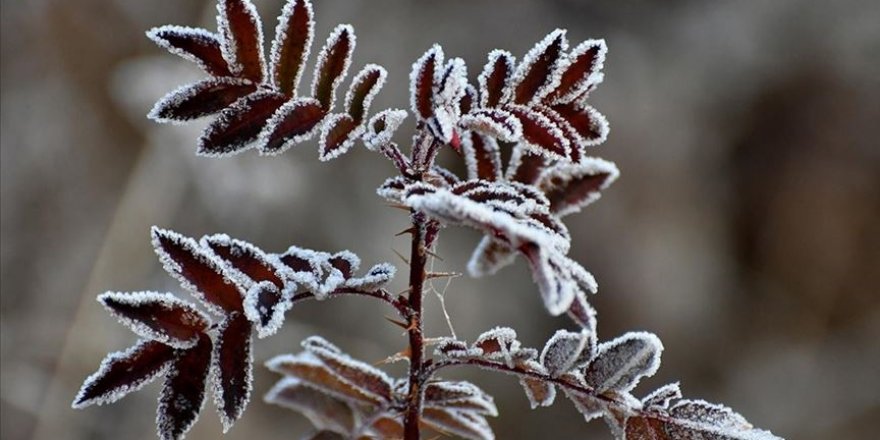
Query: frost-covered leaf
[265, 305]
[312, 371]
[377, 277]
[459, 395]
[575, 142]
[622, 362]
[452, 348]
[563, 351]
[323, 411]
[451, 85]
[332, 64]
[465, 424]
[570, 187]
[581, 71]
[393, 188]
[442, 125]
[422, 80]
[369, 380]
[124, 372]
[582, 313]
[494, 122]
[524, 166]
[496, 344]
[183, 394]
[538, 391]
[198, 271]
[700, 411]
[469, 100]
[338, 135]
[587, 121]
[250, 260]
[589, 406]
[538, 73]
[540, 134]
[241, 35]
[382, 126]
[292, 43]
[661, 397]
[495, 78]
[346, 262]
[558, 288]
[297, 121]
[239, 124]
[156, 316]
[693, 419]
[364, 87]
[203, 98]
[233, 365]
[196, 45]
[482, 157]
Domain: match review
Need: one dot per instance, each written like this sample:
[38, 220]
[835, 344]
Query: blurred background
[744, 229]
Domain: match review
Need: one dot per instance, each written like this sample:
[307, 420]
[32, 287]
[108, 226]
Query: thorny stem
[418, 261]
[399, 304]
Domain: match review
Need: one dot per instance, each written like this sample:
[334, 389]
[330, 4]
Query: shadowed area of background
[744, 229]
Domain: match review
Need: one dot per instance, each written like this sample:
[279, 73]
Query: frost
[161, 317]
[238, 125]
[376, 278]
[539, 73]
[364, 87]
[571, 187]
[661, 397]
[323, 411]
[590, 125]
[459, 395]
[183, 394]
[241, 35]
[558, 288]
[540, 135]
[265, 307]
[198, 271]
[694, 419]
[589, 406]
[482, 157]
[538, 391]
[124, 372]
[332, 64]
[563, 351]
[382, 126]
[248, 262]
[197, 45]
[203, 98]
[442, 124]
[494, 122]
[451, 85]
[465, 424]
[338, 136]
[495, 78]
[297, 121]
[232, 368]
[393, 188]
[622, 362]
[346, 262]
[366, 378]
[292, 44]
[422, 79]
[489, 257]
[581, 71]
[452, 348]
[701, 411]
[523, 166]
[497, 344]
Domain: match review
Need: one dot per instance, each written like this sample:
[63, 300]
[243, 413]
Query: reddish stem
[418, 261]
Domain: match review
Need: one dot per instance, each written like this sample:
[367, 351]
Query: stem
[418, 261]
[398, 304]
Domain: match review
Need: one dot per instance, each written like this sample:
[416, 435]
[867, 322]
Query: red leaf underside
[128, 371]
[184, 392]
[292, 46]
[244, 36]
[332, 65]
[234, 366]
[177, 322]
[540, 72]
[202, 275]
[247, 260]
[197, 45]
[299, 119]
[204, 98]
[240, 124]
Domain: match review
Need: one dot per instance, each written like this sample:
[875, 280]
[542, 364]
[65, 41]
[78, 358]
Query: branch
[399, 304]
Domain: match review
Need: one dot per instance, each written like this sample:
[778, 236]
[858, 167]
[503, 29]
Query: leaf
[369, 380]
[124, 372]
[332, 65]
[203, 98]
[160, 317]
[587, 121]
[451, 85]
[622, 362]
[196, 45]
[524, 166]
[393, 188]
[582, 70]
[571, 187]
[495, 78]
[558, 288]
[539, 72]
[496, 344]
[183, 394]
[323, 411]
[294, 122]
[469, 100]
[494, 122]
[233, 365]
[482, 157]
[265, 306]
[346, 262]
[292, 43]
[422, 80]
[575, 142]
[539, 391]
[198, 271]
[338, 136]
[459, 395]
[246, 258]
[241, 34]
[364, 87]
[693, 419]
[376, 278]
[312, 371]
[563, 351]
[464, 424]
[489, 257]
[589, 406]
[582, 313]
[661, 397]
[382, 126]
[239, 124]
[541, 135]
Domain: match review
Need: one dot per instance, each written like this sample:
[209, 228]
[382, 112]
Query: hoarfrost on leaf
[323, 411]
[382, 126]
[539, 72]
[332, 64]
[232, 367]
[564, 350]
[197, 45]
[292, 44]
[240, 124]
[241, 35]
[160, 317]
[183, 394]
[620, 364]
[297, 121]
[202, 98]
[661, 397]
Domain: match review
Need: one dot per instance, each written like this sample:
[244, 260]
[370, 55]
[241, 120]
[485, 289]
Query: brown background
[744, 230]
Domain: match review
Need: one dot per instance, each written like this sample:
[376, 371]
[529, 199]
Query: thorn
[399, 255]
[411, 230]
[400, 324]
[398, 206]
[431, 275]
[429, 252]
[402, 355]
[404, 291]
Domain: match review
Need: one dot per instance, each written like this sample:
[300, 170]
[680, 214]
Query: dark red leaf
[538, 73]
[264, 305]
[571, 187]
[585, 62]
[338, 136]
[293, 40]
[124, 372]
[345, 262]
[540, 133]
[495, 78]
[197, 45]
[197, 270]
[589, 123]
[239, 124]
[245, 257]
[203, 98]
[525, 167]
[494, 122]
[363, 88]
[297, 261]
[160, 317]
[234, 363]
[293, 123]
[575, 141]
[469, 100]
[242, 37]
[422, 82]
[183, 395]
[332, 65]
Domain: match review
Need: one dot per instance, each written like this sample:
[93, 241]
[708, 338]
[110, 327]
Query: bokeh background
[744, 231]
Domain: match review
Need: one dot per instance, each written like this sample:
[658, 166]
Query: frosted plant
[536, 108]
